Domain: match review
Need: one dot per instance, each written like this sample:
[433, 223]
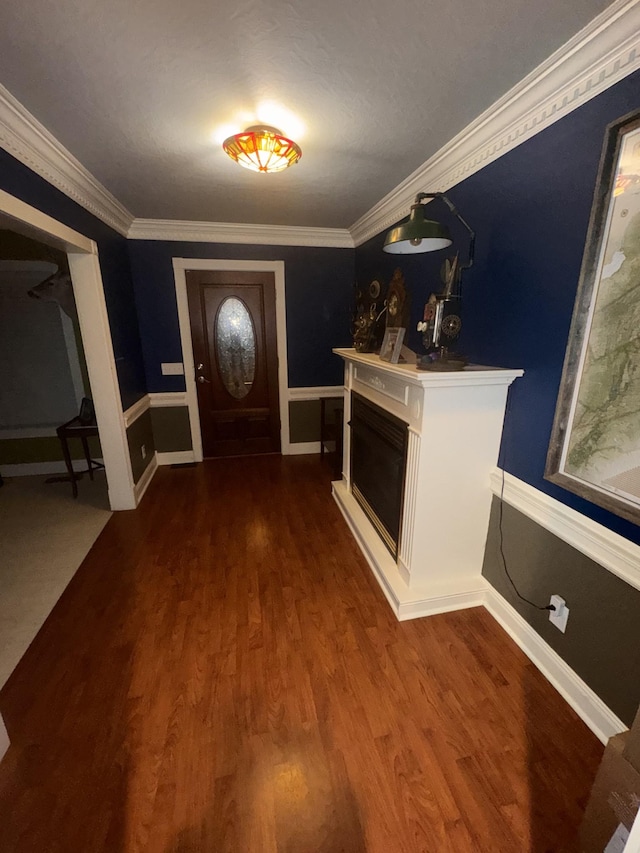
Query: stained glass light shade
[262, 149]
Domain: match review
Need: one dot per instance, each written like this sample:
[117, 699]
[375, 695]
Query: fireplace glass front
[378, 463]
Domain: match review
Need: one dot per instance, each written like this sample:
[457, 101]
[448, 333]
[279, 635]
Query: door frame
[88, 289]
[180, 267]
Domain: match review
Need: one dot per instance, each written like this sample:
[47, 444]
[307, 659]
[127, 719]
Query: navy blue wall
[530, 209]
[319, 288]
[20, 181]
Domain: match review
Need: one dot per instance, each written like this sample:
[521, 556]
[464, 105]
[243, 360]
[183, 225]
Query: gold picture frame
[594, 450]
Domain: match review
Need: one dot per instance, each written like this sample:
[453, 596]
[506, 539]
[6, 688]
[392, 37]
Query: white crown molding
[233, 232]
[608, 549]
[22, 135]
[600, 55]
[316, 392]
[584, 701]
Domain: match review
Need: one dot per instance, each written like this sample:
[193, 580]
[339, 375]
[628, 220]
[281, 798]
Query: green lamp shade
[416, 234]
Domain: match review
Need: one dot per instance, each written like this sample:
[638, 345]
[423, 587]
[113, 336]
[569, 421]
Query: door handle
[202, 380]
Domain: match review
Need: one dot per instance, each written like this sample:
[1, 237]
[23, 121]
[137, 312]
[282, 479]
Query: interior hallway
[224, 674]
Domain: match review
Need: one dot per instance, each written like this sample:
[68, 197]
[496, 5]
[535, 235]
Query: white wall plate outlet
[560, 615]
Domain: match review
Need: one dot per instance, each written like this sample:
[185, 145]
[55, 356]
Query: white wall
[41, 377]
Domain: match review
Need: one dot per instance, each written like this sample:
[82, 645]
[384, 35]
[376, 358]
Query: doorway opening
[185, 268]
[86, 279]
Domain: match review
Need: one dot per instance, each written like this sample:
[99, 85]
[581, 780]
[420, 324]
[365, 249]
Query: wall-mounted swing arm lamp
[441, 323]
[416, 234]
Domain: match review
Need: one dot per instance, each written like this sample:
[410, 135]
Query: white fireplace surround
[454, 424]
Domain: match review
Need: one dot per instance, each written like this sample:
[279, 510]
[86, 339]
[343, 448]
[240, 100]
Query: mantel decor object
[441, 323]
[369, 319]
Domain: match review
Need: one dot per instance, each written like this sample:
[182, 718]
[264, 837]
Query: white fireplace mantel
[454, 427]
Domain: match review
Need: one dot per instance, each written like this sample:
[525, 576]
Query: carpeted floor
[44, 536]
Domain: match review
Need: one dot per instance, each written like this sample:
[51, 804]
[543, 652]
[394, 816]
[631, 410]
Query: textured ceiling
[136, 91]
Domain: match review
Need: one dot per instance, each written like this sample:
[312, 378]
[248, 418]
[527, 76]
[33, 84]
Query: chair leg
[87, 456]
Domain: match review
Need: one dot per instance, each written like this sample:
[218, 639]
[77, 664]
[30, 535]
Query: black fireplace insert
[378, 464]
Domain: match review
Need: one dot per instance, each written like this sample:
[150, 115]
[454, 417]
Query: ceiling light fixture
[263, 149]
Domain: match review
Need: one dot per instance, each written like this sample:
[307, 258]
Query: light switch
[172, 368]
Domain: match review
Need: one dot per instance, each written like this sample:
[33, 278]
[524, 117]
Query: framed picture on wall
[595, 441]
[392, 344]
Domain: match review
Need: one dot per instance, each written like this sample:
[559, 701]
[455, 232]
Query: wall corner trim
[143, 483]
[167, 399]
[26, 139]
[302, 448]
[597, 57]
[138, 409]
[176, 457]
[234, 232]
[584, 701]
[594, 540]
[316, 392]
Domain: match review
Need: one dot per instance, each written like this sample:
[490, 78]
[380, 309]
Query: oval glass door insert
[235, 347]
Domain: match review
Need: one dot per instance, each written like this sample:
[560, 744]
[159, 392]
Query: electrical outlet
[143, 451]
[560, 615]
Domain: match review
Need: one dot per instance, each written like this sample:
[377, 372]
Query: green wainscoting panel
[139, 435]
[304, 421]
[22, 451]
[171, 429]
[602, 641]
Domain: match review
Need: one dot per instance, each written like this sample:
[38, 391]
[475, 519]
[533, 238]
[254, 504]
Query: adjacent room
[47, 525]
[334, 306]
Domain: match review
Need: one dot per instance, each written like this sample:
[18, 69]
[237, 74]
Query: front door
[233, 328]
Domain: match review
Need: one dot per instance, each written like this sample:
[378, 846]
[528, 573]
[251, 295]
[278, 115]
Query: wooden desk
[75, 428]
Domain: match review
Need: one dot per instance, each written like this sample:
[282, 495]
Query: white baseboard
[447, 603]
[34, 469]
[584, 701]
[406, 602]
[176, 457]
[143, 483]
[4, 739]
[301, 448]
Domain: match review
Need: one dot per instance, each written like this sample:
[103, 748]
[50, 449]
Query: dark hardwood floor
[223, 674]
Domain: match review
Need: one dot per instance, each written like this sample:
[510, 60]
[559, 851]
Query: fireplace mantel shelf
[472, 374]
[454, 422]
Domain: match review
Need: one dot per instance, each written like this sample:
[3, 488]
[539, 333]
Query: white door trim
[180, 266]
[88, 290]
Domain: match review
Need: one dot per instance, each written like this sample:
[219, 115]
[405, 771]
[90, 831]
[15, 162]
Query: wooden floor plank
[224, 674]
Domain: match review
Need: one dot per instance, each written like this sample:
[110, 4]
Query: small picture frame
[392, 344]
